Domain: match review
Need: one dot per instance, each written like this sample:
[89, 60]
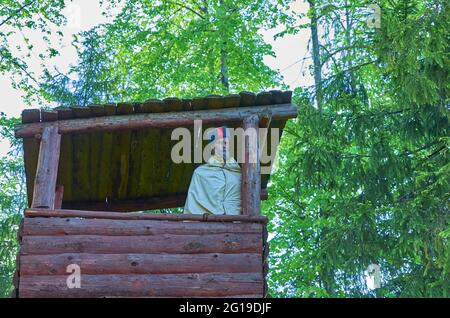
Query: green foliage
[19, 20]
[156, 49]
[365, 180]
[12, 203]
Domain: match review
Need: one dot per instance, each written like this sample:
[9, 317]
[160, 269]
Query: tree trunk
[348, 43]
[224, 71]
[223, 63]
[316, 55]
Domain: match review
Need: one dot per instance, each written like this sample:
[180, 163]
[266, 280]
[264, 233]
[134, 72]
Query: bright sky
[84, 14]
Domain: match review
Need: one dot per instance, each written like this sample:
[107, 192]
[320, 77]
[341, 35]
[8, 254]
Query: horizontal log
[103, 264]
[166, 285]
[143, 216]
[167, 243]
[157, 120]
[137, 204]
[227, 296]
[76, 226]
[235, 296]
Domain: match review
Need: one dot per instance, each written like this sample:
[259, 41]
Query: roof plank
[49, 115]
[104, 186]
[96, 143]
[121, 154]
[232, 100]
[81, 153]
[137, 139]
[65, 173]
[173, 104]
[31, 116]
[247, 98]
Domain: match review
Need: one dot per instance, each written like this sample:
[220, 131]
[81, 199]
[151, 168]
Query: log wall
[142, 257]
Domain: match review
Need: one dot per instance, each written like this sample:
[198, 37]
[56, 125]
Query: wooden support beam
[58, 196]
[157, 120]
[47, 169]
[251, 169]
[143, 216]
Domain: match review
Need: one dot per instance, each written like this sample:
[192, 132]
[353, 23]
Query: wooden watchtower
[90, 169]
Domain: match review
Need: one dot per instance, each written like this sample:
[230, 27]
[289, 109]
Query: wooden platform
[141, 254]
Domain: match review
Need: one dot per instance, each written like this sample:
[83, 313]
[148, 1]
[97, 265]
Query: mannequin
[216, 186]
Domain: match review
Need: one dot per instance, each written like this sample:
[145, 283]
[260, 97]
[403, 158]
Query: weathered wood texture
[143, 216]
[47, 169]
[219, 256]
[251, 177]
[59, 192]
[42, 226]
[172, 285]
[168, 243]
[110, 264]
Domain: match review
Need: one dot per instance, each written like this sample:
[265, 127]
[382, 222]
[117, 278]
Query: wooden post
[251, 177]
[47, 169]
[58, 196]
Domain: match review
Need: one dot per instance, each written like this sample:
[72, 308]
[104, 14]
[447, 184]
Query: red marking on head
[220, 133]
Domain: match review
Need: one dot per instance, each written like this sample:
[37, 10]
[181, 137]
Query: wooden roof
[118, 169]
